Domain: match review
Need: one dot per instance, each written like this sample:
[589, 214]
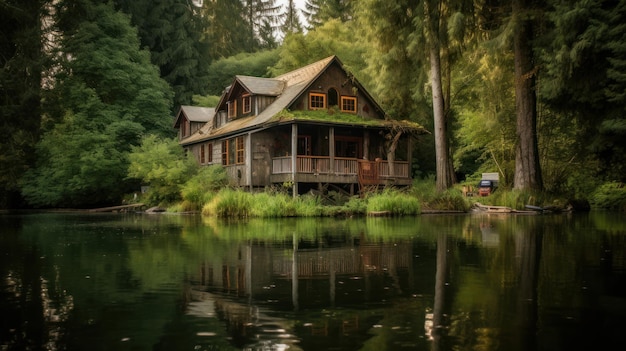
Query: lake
[76, 281]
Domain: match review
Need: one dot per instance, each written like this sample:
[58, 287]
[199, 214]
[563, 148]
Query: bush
[610, 196]
[201, 188]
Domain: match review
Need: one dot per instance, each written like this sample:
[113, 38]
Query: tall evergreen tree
[425, 39]
[290, 19]
[583, 75]
[319, 11]
[108, 95]
[23, 60]
[227, 32]
[261, 17]
[173, 31]
[527, 168]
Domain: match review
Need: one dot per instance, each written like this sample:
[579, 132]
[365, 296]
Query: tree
[317, 12]
[222, 71]
[23, 60]
[415, 38]
[445, 173]
[227, 32]
[527, 167]
[261, 17]
[173, 31]
[108, 95]
[162, 164]
[290, 19]
[588, 34]
[332, 38]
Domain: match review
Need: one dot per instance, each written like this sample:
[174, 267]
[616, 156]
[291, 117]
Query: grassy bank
[421, 197]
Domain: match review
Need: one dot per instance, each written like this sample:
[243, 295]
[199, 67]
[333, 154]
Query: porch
[346, 170]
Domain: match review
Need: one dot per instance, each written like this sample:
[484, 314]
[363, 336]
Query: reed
[394, 202]
[229, 203]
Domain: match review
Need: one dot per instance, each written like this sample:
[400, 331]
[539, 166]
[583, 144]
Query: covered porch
[318, 154]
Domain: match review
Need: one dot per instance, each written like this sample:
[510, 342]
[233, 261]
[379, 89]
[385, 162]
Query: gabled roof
[261, 86]
[294, 84]
[194, 114]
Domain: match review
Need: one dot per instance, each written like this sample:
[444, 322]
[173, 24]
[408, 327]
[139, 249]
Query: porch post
[294, 158]
[366, 145]
[249, 161]
[409, 154]
[331, 148]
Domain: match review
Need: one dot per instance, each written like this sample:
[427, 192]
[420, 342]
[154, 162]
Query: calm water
[167, 282]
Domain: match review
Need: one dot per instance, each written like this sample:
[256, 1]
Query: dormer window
[348, 104]
[232, 109]
[247, 103]
[317, 101]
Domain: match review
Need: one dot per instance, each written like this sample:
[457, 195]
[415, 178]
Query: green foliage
[318, 12]
[222, 71]
[173, 32]
[486, 118]
[332, 38]
[394, 202]
[273, 205]
[162, 164]
[201, 187]
[107, 94]
[229, 203]
[206, 101]
[23, 62]
[610, 196]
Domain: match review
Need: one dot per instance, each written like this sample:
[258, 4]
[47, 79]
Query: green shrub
[201, 187]
[610, 196]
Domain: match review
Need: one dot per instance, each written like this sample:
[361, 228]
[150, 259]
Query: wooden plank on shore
[117, 208]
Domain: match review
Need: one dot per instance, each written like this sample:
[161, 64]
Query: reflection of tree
[442, 277]
[528, 248]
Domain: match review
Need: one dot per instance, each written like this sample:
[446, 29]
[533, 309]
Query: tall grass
[394, 202]
[451, 199]
[229, 203]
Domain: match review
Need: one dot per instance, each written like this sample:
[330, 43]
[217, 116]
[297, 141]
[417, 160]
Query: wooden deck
[343, 170]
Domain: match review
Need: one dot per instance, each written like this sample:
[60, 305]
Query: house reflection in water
[253, 287]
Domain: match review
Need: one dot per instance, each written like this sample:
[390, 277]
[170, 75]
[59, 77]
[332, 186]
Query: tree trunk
[442, 152]
[391, 152]
[527, 168]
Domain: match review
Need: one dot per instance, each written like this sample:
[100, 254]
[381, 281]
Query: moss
[335, 116]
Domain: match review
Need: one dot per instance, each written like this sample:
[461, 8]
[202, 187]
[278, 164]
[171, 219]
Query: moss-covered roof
[338, 117]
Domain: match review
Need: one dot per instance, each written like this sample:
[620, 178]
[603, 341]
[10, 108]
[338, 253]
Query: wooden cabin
[313, 128]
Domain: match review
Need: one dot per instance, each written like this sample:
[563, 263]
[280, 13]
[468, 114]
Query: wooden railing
[401, 169]
[342, 166]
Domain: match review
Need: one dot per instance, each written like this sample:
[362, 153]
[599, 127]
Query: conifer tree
[23, 60]
[173, 31]
[317, 12]
[261, 18]
[108, 95]
[290, 20]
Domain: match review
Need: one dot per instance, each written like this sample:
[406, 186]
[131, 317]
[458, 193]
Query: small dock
[121, 208]
[500, 209]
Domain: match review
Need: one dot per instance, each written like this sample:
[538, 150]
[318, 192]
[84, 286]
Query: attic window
[317, 101]
[232, 109]
[247, 103]
[348, 104]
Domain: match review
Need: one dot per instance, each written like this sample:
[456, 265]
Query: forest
[532, 89]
